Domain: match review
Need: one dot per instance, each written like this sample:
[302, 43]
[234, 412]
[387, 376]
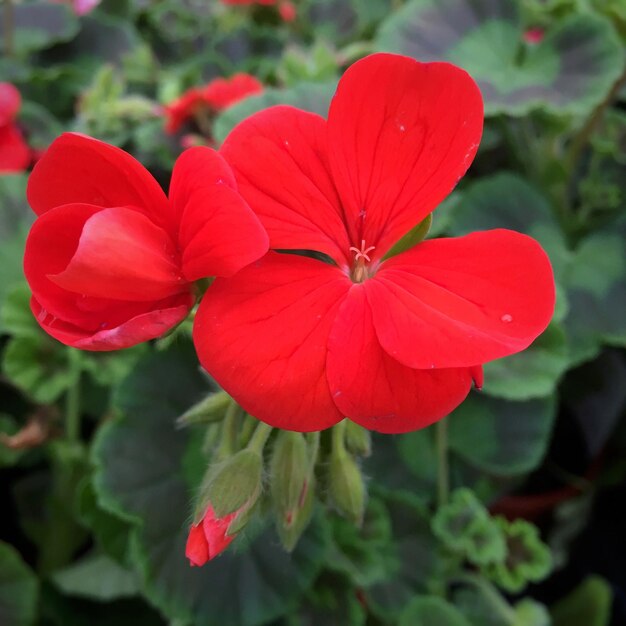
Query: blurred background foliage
[95, 476]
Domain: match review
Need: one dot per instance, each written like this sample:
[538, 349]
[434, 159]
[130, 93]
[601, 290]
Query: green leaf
[96, 577]
[142, 475]
[506, 200]
[588, 605]
[570, 71]
[501, 437]
[531, 613]
[19, 589]
[596, 294]
[16, 318]
[39, 366]
[39, 25]
[313, 97]
[431, 611]
[532, 373]
[413, 237]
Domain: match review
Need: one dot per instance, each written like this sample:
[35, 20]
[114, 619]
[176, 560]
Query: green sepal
[210, 409]
[358, 439]
[412, 238]
[346, 486]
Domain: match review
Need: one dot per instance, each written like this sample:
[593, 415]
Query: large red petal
[462, 301]
[400, 136]
[375, 390]
[129, 332]
[263, 334]
[122, 255]
[76, 168]
[279, 156]
[10, 103]
[15, 155]
[219, 234]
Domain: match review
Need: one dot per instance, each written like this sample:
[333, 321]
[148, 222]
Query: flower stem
[230, 429]
[8, 19]
[443, 469]
[338, 437]
[259, 439]
[72, 406]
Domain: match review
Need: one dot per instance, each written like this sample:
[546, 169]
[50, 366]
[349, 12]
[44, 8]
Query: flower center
[361, 258]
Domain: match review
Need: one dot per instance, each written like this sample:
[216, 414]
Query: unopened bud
[347, 488]
[358, 439]
[232, 486]
[211, 409]
[291, 481]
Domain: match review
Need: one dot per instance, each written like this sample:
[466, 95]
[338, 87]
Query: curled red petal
[115, 335]
[79, 169]
[263, 335]
[122, 255]
[375, 390]
[219, 234]
[400, 136]
[280, 160]
[197, 548]
[462, 301]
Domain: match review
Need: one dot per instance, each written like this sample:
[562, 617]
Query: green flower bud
[211, 409]
[527, 558]
[289, 473]
[233, 485]
[358, 439]
[346, 485]
[465, 526]
[292, 527]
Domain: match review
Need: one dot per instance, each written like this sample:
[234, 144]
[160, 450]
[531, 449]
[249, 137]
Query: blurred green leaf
[39, 25]
[431, 611]
[142, 475]
[19, 589]
[587, 605]
[570, 71]
[8, 426]
[313, 97]
[532, 373]
[96, 577]
[501, 437]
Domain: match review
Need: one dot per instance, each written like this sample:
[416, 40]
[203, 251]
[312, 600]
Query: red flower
[218, 95]
[533, 36]
[392, 344]
[209, 537]
[15, 154]
[287, 11]
[111, 262]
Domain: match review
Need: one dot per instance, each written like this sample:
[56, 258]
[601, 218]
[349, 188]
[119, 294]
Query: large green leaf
[596, 286]
[313, 97]
[501, 437]
[431, 611]
[588, 605]
[38, 25]
[570, 71]
[19, 590]
[146, 470]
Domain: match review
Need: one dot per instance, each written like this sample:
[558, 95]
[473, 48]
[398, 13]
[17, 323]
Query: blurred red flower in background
[393, 344]
[15, 155]
[110, 260]
[286, 8]
[216, 96]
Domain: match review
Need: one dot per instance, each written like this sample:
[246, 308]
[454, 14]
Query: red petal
[219, 234]
[221, 93]
[10, 103]
[79, 169]
[15, 155]
[183, 108]
[463, 301]
[122, 255]
[375, 390]
[400, 134]
[197, 550]
[263, 336]
[215, 532]
[133, 330]
[279, 156]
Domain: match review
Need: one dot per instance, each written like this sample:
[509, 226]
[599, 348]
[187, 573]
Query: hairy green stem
[72, 400]
[260, 437]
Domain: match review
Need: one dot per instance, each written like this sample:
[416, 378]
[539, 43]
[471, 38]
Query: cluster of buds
[300, 469]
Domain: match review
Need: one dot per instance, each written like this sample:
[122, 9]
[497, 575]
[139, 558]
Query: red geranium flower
[216, 96]
[209, 537]
[286, 9]
[15, 154]
[392, 344]
[111, 262]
